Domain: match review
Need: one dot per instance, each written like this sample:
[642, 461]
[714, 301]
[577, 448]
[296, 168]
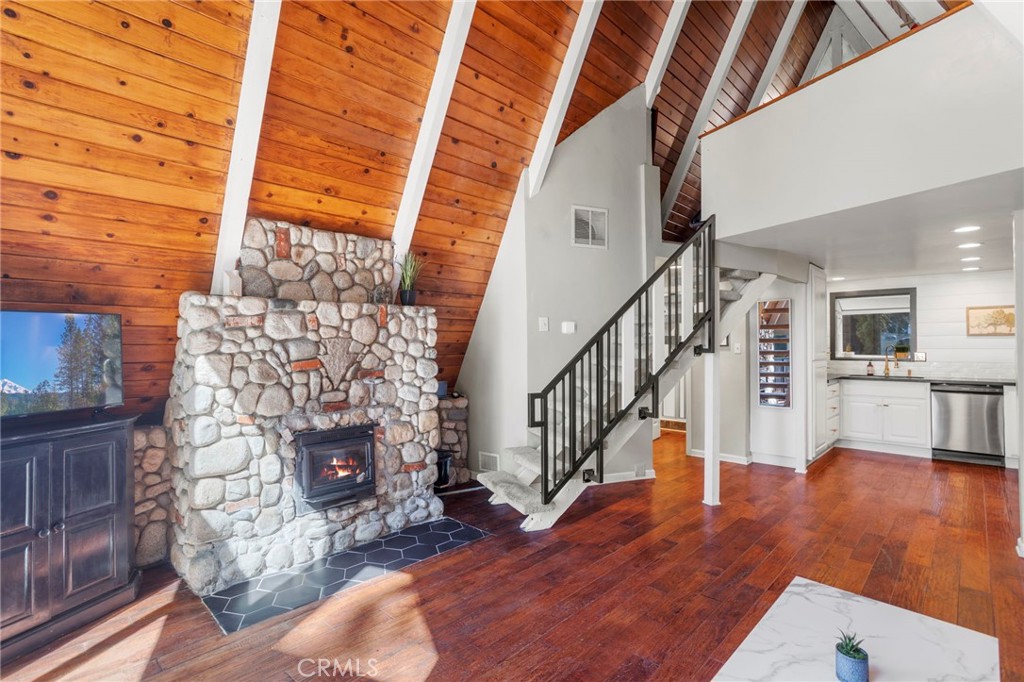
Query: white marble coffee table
[796, 641]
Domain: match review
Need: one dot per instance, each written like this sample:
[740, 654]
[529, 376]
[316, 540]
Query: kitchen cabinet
[886, 413]
[1011, 424]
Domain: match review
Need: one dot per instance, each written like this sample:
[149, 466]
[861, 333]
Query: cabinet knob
[44, 533]
[58, 527]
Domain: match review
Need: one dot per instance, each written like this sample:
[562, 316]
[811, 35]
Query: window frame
[572, 226]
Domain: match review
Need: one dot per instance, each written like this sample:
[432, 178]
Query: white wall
[492, 372]
[735, 389]
[942, 302]
[599, 166]
[778, 435]
[941, 107]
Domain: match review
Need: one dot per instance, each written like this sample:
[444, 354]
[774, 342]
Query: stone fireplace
[299, 428]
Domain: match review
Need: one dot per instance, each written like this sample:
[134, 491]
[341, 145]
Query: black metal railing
[586, 400]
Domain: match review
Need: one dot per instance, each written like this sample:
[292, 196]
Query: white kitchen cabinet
[876, 413]
[818, 294]
[1011, 425]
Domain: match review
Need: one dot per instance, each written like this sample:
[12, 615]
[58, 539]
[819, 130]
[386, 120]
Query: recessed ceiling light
[970, 259]
[968, 228]
[972, 269]
[838, 279]
[969, 245]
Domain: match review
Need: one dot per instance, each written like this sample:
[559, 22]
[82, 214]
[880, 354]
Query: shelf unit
[774, 353]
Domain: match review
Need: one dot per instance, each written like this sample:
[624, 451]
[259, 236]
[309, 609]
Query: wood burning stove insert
[335, 466]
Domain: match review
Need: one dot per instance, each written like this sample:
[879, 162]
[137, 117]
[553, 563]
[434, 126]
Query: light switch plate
[737, 348]
[543, 324]
[569, 327]
[920, 357]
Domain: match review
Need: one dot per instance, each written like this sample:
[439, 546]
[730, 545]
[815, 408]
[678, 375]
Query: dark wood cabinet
[66, 507]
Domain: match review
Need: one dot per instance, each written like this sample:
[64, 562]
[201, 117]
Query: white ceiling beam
[862, 22]
[448, 60]
[575, 55]
[666, 46]
[923, 10]
[796, 10]
[837, 29]
[259, 55]
[707, 103]
[885, 16]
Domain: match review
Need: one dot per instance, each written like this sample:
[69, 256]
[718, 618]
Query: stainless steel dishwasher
[967, 423]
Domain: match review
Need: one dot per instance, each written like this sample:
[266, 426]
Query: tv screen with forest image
[53, 362]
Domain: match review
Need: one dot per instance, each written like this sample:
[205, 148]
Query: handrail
[587, 392]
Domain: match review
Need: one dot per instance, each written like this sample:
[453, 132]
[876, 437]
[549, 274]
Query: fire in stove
[337, 469]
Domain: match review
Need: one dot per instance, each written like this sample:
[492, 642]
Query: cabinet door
[819, 314]
[862, 418]
[24, 538]
[907, 422]
[820, 406]
[90, 526]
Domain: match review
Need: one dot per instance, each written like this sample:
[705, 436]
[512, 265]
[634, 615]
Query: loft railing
[615, 369]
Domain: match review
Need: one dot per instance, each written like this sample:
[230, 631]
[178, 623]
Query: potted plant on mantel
[851, 659]
[409, 267]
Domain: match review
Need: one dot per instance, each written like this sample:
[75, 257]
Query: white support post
[700, 120]
[886, 18]
[259, 55]
[666, 46]
[448, 60]
[1018, 278]
[796, 10]
[862, 22]
[923, 10]
[712, 408]
[575, 55]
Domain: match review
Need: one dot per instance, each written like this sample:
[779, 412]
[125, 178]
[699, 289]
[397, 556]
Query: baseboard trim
[623, 476]
[885, 448]
[722, 457]
[773, 460]
[827, 454]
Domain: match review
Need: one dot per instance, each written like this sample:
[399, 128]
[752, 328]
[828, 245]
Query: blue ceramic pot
[851, 669]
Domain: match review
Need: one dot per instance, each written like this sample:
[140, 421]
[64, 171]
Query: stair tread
[523, 499]
[733, 273]
[729, 295]
[491, 479]
[527, 457]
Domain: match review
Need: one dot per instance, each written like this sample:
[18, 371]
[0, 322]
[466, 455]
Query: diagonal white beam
[796, 10]
[666, 46]
[923, 10]
[252, 97]
[575, 55]
[862, 22]
[885, 16]
[440, 95]
[707, 103]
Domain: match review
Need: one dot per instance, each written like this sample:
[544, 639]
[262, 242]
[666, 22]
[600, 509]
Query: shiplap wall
[117, 128]
[942, 302]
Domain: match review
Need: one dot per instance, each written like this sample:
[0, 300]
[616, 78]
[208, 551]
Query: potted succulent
[851, 659]
[409, 268]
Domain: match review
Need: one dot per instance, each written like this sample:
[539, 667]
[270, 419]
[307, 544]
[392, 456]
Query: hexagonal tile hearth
[252, 601]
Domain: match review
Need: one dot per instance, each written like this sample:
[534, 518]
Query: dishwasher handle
[983, 389]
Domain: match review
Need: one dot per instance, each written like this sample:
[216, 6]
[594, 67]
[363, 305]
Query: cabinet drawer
[832, 429]
[833, 390]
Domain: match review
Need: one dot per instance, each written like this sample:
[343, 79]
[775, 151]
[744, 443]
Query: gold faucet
[895, 360]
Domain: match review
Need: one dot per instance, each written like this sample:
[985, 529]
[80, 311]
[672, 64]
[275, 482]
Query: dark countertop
[924, 380]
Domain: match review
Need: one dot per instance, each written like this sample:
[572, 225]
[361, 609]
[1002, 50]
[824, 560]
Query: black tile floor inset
[251, 601]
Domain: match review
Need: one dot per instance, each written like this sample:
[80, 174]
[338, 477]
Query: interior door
[89, 528]
[24, 538]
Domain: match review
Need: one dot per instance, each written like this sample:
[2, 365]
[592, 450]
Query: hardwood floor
[639, 581]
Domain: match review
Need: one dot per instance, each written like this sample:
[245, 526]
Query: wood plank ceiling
[348, 85]
[689, 72]
[509, 67]
[117, 126]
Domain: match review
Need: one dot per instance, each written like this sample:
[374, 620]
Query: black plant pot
[407, 296]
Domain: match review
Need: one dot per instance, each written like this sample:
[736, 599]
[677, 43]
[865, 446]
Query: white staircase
[589, 396]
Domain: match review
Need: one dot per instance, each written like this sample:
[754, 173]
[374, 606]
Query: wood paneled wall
[348, 86]
[509, 67]
[618, 58]
[798, 54]
[699, 47]
[117, 125]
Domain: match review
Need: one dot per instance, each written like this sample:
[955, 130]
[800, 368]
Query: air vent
[488, 461]
[590, 227]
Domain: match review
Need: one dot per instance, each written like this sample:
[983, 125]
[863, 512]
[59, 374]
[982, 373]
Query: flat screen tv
[57, 362]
